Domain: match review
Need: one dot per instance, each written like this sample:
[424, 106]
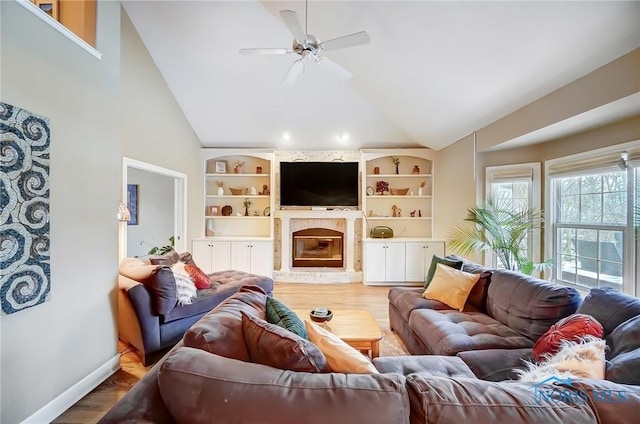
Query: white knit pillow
[185, 287]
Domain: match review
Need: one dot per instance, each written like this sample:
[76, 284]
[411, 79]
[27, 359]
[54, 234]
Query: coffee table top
[349, 324]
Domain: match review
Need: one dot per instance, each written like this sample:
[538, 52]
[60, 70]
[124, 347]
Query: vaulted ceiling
[433, 72]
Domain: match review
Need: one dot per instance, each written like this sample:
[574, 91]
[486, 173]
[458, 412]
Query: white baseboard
[68, 398]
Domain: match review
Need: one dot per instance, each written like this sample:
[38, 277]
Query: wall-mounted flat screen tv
[322, 184]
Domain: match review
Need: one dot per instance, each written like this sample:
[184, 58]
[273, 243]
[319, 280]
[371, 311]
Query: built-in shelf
[237, 196]
[398, 218]
[391, 196]
[221, 175]
[398, 175]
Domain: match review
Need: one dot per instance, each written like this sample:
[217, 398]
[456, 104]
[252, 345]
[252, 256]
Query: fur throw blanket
[582, 359]
[185, 287]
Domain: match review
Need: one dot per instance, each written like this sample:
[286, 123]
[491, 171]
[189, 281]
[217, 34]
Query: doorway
[149, 179]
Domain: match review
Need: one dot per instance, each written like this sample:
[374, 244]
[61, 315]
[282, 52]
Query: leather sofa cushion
[435, 365]
[198, 387]
[609, 307]
[623, 356]
[436, 400]
[450, 332]
[527, 304]
[496, 364]
[220, 331]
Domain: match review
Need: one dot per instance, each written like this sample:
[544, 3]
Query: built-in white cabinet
[418, 258]
[398, 261]
[255, 257]
[211, 255]
[384, 262]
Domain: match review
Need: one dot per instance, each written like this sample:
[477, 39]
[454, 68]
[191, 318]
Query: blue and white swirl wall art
[25, 276]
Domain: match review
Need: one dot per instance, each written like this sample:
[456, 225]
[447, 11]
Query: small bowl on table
[321, 315]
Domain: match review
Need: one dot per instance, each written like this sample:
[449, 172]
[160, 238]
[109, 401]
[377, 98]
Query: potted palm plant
[494, 226]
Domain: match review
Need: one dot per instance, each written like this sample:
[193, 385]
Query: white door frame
[180, 202]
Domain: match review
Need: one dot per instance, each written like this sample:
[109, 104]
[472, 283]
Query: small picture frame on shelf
[221, 167]
[213, 210]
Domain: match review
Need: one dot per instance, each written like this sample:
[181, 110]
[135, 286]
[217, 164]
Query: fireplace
[319, 254]
[317, 247]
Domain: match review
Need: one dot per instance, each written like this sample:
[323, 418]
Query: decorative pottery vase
[397, 171]
[376, 170]
[419, 191]
[246, 211]
[258, 170]
[416, 169]
[220, 191]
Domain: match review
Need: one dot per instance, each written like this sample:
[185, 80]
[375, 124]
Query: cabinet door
[220, 256]
[241, 256]
[262, 258]
[374, 262]
[416, 260]
[201, 254]
[419, 257]
[395, 262]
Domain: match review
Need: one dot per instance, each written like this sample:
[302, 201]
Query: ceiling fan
[308, 47]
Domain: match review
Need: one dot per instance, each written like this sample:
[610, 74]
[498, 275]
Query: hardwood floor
[296, 296]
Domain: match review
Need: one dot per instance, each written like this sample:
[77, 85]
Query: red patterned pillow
[571, 328]
[198, 276]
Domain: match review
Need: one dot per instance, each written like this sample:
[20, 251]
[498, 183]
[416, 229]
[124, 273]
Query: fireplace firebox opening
[318, 248]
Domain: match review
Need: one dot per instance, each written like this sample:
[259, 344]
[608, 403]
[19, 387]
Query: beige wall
[49, 348]
[153, 128]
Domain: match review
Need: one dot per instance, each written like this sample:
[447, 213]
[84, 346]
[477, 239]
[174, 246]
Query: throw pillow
[279, 314]
[136, 269]
[167, 259]
[571, 328]
[450, 286]
[185, 287]
[340, 356]
[159, 281]
[272, 345]
[200, 279]
[581, 358]
[435, 260]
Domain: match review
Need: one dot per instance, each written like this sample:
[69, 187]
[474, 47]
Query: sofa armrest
[148, 322]
[496, 364]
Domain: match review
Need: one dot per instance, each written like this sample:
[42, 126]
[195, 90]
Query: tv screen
[319, 184]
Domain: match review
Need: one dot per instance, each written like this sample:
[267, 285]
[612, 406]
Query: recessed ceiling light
[344, 136]
[286, 136]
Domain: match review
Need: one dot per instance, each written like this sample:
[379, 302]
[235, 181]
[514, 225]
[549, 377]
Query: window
[517, 187]
[592, 221]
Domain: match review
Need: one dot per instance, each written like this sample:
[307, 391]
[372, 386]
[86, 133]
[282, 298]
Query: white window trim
[535, 198]
[40, 14]
[631, 254]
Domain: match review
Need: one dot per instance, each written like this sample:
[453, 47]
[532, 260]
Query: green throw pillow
[440, 260]
[279, 314]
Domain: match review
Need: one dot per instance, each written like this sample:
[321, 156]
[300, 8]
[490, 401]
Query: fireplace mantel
[294, 219]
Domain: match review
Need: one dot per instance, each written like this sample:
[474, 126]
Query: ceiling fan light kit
[309, 47]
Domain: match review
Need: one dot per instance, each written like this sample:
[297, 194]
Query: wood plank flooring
[295, 295]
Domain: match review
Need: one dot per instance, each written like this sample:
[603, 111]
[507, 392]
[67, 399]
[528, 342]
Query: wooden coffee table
[357, 328]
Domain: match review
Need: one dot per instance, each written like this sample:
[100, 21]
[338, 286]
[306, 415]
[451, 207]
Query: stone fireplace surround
[337, 220]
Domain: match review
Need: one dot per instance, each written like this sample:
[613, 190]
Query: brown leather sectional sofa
[206, 378]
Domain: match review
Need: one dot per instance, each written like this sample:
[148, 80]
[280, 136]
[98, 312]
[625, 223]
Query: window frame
[530, 172]
[591, 163]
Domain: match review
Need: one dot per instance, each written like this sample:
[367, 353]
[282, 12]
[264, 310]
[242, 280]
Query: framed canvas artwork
[132, 198]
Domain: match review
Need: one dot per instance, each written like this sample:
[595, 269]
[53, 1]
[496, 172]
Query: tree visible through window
[590, 226]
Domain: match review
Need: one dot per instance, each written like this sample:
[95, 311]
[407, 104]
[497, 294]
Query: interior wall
[454, 188]
[49, 348]
[153, 128]
[155, 212]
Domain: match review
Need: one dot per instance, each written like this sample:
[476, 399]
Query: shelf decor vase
[419, 191]
[416, 169]
[246, 211]
[397, 171]
[220, 191]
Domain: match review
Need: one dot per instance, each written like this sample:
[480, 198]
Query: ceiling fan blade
[290, 18]
[296, 69]
[350, 40]
[334, 68]
[252, 52]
